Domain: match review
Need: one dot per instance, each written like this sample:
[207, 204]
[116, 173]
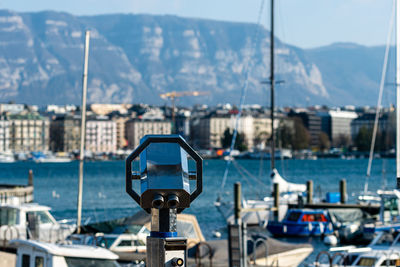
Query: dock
[17, 194]
[370, 208]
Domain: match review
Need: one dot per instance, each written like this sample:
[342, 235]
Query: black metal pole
[272, 79]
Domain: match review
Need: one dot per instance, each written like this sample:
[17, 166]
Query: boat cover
[285, 186]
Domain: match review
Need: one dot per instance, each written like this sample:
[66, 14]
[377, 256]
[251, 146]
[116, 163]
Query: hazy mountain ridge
[134, 58]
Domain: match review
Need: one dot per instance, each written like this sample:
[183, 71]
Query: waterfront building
[4, 134]
[28, 132]
[367, 120]
[120, 122]
[12, 108]
[208, 131]
[59, 109]
[101, 135]
[137, 128]
[104, 109]
[341, 126]
[65, 133]
[337, 124]
[312, 122]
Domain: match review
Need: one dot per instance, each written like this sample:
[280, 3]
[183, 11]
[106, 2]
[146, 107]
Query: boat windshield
[364, 261]
[391, 208]
[294, 216]
[84, 262]
[186, 229]
[42, 216]
[106, 241]
[386, 239]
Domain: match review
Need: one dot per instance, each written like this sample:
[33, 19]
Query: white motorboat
[384, 250]
[36, 253]
[31, 221]
[7, 157]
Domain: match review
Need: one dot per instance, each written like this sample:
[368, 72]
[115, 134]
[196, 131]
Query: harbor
[105, 197]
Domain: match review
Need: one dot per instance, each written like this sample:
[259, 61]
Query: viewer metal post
[165, 191]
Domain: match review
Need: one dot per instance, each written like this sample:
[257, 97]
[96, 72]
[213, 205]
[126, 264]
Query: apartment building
[4, 134]
[101, 135]
[208, 131]
[137, 128]
[28, 132]
[120, 122]
[65, 133]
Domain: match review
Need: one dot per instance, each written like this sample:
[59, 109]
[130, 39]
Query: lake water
[104, 196]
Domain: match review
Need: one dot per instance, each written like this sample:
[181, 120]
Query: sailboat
[288, 191]
[389, 215]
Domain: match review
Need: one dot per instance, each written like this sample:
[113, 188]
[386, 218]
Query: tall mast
[398, 93]
[272, 80]
[83, 132]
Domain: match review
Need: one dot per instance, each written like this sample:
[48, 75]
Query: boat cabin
[302, 222]
[31, 221]
[389, 211]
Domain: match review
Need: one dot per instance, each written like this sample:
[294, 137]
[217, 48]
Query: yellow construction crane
[173, 95]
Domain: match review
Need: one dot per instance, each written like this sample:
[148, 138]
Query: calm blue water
[104, 184]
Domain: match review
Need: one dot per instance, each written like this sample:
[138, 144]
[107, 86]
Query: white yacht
[31, 221]
[31, 253]
[384, 250]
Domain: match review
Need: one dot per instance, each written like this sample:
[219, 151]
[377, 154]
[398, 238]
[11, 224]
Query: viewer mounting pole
[272, 87]
[83, 131]
[398, 93]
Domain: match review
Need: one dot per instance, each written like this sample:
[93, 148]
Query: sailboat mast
[398, 93]
[272, 80]
[83, 131]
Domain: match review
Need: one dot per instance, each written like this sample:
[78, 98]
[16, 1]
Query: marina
[108, 201]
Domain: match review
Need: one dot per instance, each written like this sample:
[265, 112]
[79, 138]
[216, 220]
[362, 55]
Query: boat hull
[299, 229]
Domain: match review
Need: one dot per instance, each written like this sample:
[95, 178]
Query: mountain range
[134, 58]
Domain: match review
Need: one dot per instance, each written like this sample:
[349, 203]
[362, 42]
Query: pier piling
[30, 178]
[343, 191]
[276, 201]
[238, 203]
[310, 191]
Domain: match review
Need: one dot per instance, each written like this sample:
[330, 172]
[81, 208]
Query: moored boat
[302, 222]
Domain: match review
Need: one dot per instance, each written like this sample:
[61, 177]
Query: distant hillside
[134, 58]
[352, 72]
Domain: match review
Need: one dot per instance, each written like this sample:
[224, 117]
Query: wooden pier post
[343, 191]
[30, 178]
[310, 191]
[276, 201]
[238, 202]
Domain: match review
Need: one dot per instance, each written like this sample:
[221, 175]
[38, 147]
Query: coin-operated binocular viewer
[164, 191]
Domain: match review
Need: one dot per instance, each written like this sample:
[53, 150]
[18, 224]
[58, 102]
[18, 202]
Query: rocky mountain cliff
[134, 58]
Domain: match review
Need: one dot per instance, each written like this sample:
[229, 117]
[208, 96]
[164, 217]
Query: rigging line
[240, 170]
[243, 96]
[378, 107]
[249, 174]
[260, 171]
[244, 176]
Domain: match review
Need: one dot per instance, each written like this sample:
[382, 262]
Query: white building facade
[101, 136]
[137, 128]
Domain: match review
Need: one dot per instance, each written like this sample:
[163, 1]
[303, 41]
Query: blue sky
[305, 23]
